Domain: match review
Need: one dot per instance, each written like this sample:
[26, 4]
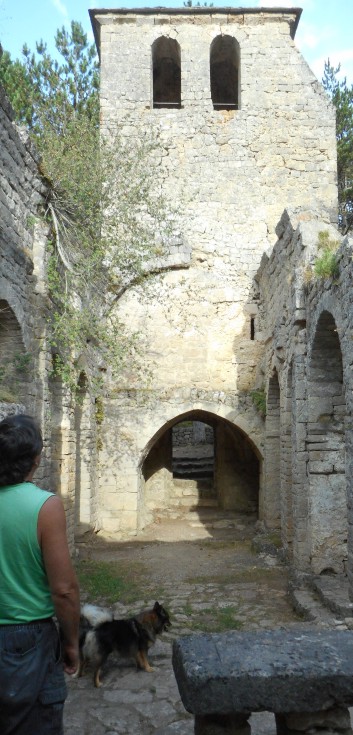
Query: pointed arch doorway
[199, 460]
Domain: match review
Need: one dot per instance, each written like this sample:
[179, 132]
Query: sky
[325, 29]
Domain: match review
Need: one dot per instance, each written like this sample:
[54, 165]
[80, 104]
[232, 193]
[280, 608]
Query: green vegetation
[103, 582]
[214, 619]
[342, 98]
[259, 399]
[326, 264]
[105, 206]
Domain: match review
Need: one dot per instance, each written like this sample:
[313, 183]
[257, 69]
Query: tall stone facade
[247, 156]
[245, 131]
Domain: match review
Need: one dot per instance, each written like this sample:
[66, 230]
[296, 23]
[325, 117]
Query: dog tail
[91, 616]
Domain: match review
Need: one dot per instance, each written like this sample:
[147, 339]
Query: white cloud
[60, 7]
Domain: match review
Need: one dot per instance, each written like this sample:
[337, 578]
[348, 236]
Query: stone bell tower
[245, 131]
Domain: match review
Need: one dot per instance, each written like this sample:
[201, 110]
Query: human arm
[61, 576]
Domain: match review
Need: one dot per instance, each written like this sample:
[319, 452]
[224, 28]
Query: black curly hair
[20, 443]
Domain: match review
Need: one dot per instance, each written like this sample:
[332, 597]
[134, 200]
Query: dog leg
[79, 671]
[142, 662]
[97, 681]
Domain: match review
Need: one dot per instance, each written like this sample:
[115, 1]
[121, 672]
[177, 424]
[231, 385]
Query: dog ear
[156, 606]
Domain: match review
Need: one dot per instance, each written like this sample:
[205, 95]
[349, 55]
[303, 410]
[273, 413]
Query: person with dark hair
[37, 581]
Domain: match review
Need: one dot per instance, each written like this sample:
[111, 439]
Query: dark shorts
[32, 682]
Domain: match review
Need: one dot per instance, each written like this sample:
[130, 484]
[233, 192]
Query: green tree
[108, 217]
[46, 93]
[342, 98]
[14, 78]
[190, 4]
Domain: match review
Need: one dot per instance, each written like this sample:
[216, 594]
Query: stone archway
[235, 469]
[327, 502]
[16, 368]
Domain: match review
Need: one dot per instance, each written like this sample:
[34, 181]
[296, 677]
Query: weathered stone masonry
[232, 172]
[24, 310]
[307, 328]
[254, 179]
[22, 282]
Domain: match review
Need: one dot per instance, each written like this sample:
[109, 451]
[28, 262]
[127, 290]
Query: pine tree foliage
[342, 98]
[105, 204]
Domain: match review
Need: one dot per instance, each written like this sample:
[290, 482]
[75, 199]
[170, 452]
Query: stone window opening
[252, 328]
[224, 73]
[166, 73]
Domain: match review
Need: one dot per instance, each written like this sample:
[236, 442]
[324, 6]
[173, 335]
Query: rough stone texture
[231, 310]
[284, 672]
[22, 241]
[231, 173]
[24, 309]
[307, 326]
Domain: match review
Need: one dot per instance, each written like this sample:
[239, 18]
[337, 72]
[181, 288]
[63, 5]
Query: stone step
[323, 600]
[310, 608]
[332, 590]
[193, 467]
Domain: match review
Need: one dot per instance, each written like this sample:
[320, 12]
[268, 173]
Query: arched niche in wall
[327, 517]
[166, 73]
[271, 511]
[225, 73]
[16, 368]
[198, 461]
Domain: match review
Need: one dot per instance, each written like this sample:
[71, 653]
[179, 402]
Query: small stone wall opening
[200, 461]
[328, 516]
[15, 363]
[224, 73]
[166, 73]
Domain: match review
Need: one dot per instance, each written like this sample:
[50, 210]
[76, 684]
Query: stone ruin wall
[21, 266]
[231, 173]
[24, 310]
[307, 327]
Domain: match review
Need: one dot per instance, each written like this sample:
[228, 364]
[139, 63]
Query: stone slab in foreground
[222, 677]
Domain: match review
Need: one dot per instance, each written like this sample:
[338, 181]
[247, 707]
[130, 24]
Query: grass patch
[259, 399]
[7, 397]
[214, 620]
[233, 545]
[275, 539]
[107, 582]
[326, 264]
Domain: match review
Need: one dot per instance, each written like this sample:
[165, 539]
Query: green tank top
[24, 587]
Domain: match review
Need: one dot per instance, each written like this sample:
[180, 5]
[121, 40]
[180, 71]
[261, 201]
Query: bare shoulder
[51, 518]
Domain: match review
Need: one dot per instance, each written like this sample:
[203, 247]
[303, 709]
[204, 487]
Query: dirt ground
[203, 554]
[181, 549]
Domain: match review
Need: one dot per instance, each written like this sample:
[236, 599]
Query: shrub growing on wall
[105, 204]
